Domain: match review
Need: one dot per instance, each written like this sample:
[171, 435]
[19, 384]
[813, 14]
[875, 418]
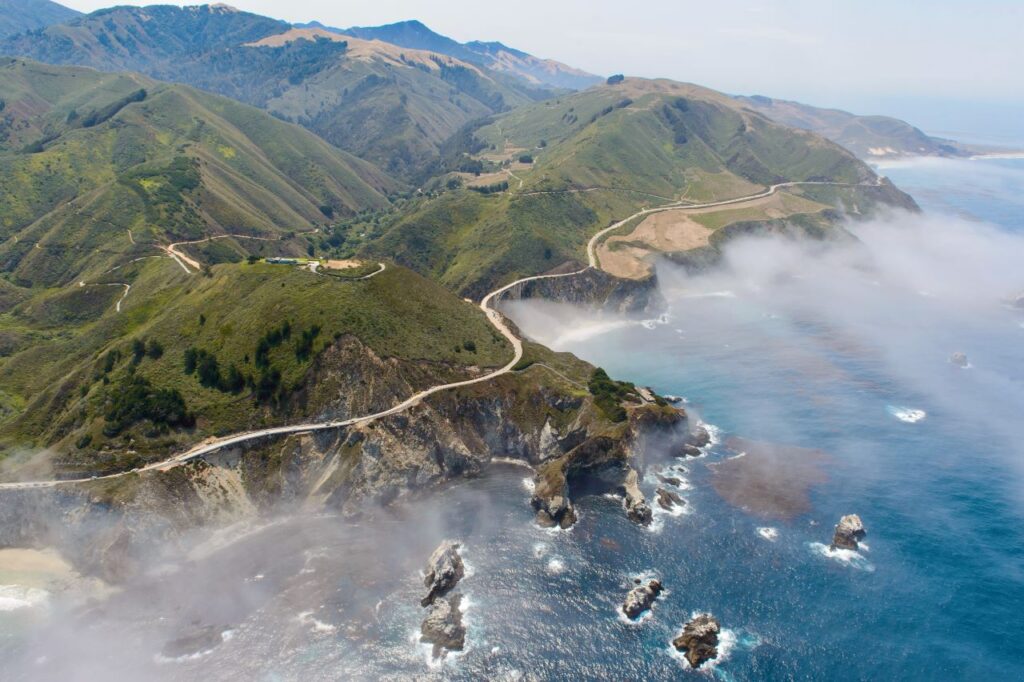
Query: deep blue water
[794, 349]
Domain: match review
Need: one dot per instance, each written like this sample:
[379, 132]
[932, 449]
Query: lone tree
[617, 78]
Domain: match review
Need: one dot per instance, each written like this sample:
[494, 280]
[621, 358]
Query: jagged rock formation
[849, 532]
[443, 626]
[668, 500]
[606, 456]
[641, 597]
[444, 571]
[699, 640]
[637, 509]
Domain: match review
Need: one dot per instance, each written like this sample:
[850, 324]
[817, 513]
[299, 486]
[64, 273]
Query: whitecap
[908, 415]
[768, 533]
[316, 625]
[846, 557]
[529, 485]
[17, 597]
[539, 549]
[556, 566]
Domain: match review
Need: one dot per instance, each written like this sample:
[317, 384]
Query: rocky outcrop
[641, 597]
[959, 359]
[668, 500]
[694, 443]
[637, 509]
[699, 639]
[195, 640]
[607, 458]
[443, 627]
[444, 571]
[849, 532]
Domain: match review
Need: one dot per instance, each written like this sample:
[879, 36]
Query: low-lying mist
[883, 315]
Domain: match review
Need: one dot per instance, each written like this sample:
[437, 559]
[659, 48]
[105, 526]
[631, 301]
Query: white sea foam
[17, 597]
[316, 625]
[908, 415]
[539, 549]
[727, 640]
[768, 533]
[654, 322]
[846, 557]
[556, 566]
[529, 485]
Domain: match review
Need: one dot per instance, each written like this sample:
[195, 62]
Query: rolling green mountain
[27, 15]
[869, 137]
[493, 55]
[188, 356]
[390, 105]
[95, 167]
[568, 167]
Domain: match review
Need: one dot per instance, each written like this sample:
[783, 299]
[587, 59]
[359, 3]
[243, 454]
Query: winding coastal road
[211, 445]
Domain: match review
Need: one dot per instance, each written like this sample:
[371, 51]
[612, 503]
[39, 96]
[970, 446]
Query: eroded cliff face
[110, 527]
[595, 288]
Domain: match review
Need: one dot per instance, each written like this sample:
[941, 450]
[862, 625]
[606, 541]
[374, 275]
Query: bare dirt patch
[629, 255]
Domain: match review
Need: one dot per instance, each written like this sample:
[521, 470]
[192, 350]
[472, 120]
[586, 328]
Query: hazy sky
[834, 52]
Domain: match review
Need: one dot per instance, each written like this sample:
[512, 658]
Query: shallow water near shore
[842, 360]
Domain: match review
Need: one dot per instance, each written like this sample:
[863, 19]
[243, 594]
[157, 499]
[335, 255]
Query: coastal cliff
[542, 416]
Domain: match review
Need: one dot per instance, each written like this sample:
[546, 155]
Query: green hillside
[575, 164]
[27, 15]
[95, 167]
[285, 343]
[393, 106]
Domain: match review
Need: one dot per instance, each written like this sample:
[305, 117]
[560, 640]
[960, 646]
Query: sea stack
[699, 641]
[637, 509]
[444, 570]
[849, 531]
[668, 500]
[641, 597]
[443, 626]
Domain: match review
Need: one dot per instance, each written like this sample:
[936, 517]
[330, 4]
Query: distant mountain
[869, 137]
[94, 165]
[393, 106]
[495, 56]
[27, 15]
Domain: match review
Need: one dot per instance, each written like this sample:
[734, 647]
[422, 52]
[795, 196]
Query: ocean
[826, 379]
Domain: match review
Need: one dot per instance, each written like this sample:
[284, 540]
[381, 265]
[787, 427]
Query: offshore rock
[637, 509]
[554, 511]
[668, 500]
[443, 626]
[849, 531]
[699, 437]
[641, 597]
[699, 640]
[444, 570]
[194, 641]
[959, 359]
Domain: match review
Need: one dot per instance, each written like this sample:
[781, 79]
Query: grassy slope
[180, 164]
[638, 143]
[55, 390]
